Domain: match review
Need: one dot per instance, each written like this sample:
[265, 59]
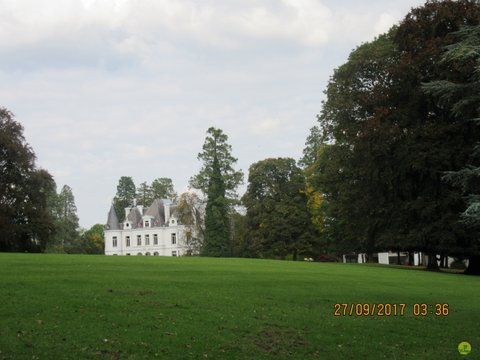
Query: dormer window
[147, 223]
[172, 221]
[127, 225]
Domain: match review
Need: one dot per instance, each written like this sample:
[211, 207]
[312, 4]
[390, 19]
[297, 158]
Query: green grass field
[88, 307]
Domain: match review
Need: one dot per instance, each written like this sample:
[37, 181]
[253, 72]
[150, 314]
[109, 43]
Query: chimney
[166, 207]
[140, 208]
[127, 211]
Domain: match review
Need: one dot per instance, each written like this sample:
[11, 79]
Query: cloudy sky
[106, 88]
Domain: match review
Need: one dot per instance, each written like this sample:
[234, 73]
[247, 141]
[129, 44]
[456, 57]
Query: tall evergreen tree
[126, 193]
[64, 212]
[462, 97]
[216, 146]
[217, 225]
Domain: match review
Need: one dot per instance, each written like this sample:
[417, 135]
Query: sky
[111, 88]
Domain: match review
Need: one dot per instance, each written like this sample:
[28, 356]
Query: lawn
[98, 307]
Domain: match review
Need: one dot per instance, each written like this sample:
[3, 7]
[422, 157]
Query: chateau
[151, 231]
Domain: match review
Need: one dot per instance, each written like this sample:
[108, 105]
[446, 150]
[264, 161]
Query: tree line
[394, 157]
[34, 217]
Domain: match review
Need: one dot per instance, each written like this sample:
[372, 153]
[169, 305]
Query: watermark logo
[464, 348]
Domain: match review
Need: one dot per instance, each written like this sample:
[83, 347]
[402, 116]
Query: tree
[278, 222]
[190, 212]
[145, 195]
[216, 146]
[217, 224]
[162, 188]
[64, 212]
[25, 224]
[240, 236]
[462, 98]
[314, 141]
[92, 240]
[390, 143]
[125, 196]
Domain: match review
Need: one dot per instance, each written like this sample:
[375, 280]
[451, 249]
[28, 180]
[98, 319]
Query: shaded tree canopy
[390, 142]
[25, 222]
[278, 223]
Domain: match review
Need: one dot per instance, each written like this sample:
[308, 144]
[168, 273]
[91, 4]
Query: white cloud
[140, 28]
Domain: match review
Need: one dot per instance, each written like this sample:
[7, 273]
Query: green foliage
[278, 222]
[126, 193]
[389, 142]
[64, 212]
[144, 194]
[240, 241]
[25, 222]
[310, 153]
[461, 96]
[162, 188]
[216, 145]
[93, 241]
[217, 226]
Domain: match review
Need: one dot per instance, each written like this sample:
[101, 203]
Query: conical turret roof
[112, 221]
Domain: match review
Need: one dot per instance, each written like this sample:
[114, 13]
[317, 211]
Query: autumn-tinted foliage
[390, 143]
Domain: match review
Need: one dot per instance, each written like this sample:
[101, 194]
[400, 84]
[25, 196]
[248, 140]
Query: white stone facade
[154, 231]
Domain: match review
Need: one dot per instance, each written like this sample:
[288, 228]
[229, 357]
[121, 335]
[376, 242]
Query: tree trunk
[369, 257]
[442, 261]
[432, 264]
[410, 258]
[473, 265]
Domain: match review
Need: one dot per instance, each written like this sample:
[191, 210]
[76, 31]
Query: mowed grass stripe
[74, 307]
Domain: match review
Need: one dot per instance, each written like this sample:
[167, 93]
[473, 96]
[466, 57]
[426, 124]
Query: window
[114, 241]
[147, 223]
[155, 253]
[174, 238]
[128, 254]
[174, 253]
[147, 239]
[147, 254]
[127, 239]
[155, 239]
[139, 240]
[173, 221]
[127, 224]
[139, 254]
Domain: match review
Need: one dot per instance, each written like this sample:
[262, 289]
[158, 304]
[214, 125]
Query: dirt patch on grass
[278, 340]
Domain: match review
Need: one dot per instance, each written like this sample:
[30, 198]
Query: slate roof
[135, 218]
[157, 211]
[112, 221]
